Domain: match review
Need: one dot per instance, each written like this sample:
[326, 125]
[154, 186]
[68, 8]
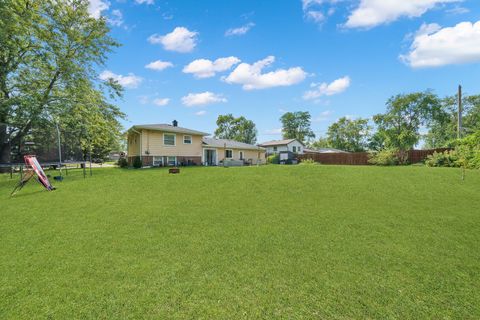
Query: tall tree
[399, 127]
[320, 143]
[442, 129]
[238, 129]
[296, 125]
[49, 54]
[349, 135]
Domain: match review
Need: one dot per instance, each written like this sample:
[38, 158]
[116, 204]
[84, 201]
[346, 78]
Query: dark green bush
[384, 158]
[122, 163]
[137, 163]
[274, 159]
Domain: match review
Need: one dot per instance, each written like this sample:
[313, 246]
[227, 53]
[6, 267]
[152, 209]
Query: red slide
[42, 178]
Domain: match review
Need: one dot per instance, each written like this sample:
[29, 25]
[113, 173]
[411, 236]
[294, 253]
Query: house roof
[278, 142]
[168, 128]
[220, 143]
[324, 150]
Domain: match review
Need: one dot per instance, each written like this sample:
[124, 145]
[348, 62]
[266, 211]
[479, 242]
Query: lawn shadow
[19, 194]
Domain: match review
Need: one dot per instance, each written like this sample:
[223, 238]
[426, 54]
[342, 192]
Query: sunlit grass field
[286, 242]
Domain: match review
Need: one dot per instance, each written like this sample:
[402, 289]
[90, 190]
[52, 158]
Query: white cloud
[350, 116]
[435, 47]
[315, 15]
[458, 10]
[159, 65]
[201, 113]
[239, 31]
[327, 89]
[145, 1]
[180, 39]
[203, 68]
[308, 3]
[129, 81]
[274, 131]
[250, 76]
[324, 116]
[96, 7]
[314, 10]
[371, 13]
[202, 99]
[161, 101]
[116, 19]
[427, 29]
[143, 99]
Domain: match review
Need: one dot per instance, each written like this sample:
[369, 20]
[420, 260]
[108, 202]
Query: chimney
[175, 123]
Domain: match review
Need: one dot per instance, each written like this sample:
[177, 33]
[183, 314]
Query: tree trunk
[4, 147]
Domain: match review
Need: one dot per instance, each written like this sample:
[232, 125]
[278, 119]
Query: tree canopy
[238, 129]
[296, 125]
[50, 52]
[349, 134]
[442, 130]
[399, 127]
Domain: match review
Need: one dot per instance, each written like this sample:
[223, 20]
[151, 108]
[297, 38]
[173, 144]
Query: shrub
[308, 162]
[442, 159]
[384, 158]
[137, 163]
[475, 161]
[122, 163]
[468, 150]
[273, 159]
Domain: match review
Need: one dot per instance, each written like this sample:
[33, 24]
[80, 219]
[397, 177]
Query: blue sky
[332, 58]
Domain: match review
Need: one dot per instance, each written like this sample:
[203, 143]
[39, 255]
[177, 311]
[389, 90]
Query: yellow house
[171, 145]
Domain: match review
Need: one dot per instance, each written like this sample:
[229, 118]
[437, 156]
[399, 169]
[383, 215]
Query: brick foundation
[181, 161]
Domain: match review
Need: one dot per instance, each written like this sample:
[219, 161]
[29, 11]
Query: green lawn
[289, 242]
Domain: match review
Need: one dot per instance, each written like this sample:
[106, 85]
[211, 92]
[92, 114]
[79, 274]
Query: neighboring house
[324, 150]
[171, 145]
[277, 146]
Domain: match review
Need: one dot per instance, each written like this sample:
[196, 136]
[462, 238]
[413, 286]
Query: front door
[210, 157]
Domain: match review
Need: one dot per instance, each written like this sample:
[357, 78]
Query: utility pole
[459, 116]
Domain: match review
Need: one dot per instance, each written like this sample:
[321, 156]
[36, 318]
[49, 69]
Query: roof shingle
[276, 142]
[169, 128]
[220, 143]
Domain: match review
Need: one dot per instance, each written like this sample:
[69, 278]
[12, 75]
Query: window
[157, 161]
[168, 139]
[228, 153]
[294, 149]
[187, 139]
[298, 149]
[241, 155]
[274, 148]
[172, 161]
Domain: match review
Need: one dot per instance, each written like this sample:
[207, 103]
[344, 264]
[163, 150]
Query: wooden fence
[361, 158]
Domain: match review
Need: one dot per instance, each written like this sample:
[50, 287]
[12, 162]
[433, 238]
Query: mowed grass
[286, 242]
